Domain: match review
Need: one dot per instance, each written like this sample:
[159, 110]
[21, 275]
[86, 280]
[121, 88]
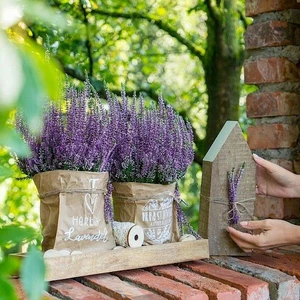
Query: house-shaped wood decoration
[229, 150]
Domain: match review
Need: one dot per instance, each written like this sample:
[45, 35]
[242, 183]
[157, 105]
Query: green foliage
[33, 273]
[149, 46]
[189, 187]
[14, 234]
[20, 199]
[28, 77]
[8, 266]
[133, 50]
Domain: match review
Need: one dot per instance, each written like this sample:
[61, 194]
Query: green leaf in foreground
[12, 139]
[14, 234]
[33, 274]
[8, 266]
[7, 291]
[42, 78]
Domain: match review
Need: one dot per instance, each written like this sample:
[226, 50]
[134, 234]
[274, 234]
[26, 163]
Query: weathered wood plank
[229, 150]
[124, 259]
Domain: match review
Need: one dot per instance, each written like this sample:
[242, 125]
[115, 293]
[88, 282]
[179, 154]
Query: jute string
[238, 206]
[70, 191]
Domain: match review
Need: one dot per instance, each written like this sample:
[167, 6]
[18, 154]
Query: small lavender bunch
[154, 145]
[181, 217]
[108, 211]
[76, 135]
[233, 183]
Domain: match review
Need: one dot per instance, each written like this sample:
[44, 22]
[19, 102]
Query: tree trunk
[222, 64]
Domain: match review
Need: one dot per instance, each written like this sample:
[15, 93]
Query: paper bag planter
[73, 210]
[150, 206]
[229, 156]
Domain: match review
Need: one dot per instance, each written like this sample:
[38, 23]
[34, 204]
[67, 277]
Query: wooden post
[229, 150]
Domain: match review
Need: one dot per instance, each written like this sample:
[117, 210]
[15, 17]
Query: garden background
[191, 51]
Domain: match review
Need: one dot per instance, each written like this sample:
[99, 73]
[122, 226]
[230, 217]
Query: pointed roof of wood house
[230, 135]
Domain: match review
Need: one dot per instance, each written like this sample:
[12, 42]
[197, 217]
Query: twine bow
[238, 208]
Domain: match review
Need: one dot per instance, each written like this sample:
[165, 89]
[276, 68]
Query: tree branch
[213, 12]
[87, 41]
[197, 51]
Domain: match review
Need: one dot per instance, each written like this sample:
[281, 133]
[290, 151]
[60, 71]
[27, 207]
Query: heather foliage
[76, 136]
[133, 143]
[154, 145]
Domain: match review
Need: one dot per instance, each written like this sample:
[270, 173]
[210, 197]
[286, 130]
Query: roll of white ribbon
[128, 234]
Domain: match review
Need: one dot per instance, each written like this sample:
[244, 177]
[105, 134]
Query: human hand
[273, 180]
[266, 234]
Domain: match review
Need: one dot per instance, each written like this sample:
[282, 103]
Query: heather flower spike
[181, 217]
[233, 183]
[108, 211]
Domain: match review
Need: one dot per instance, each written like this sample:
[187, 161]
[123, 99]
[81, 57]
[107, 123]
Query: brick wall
[273, 65]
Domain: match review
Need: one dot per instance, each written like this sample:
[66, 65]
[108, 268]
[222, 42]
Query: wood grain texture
[229, 150]
[124, 259]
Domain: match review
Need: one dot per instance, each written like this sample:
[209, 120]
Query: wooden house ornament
[228, 155]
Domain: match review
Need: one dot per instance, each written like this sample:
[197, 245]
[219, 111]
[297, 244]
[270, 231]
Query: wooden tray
[63, 267]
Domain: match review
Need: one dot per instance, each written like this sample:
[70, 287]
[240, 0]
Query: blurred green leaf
[10, 265]
[15, 233]
[32, 96]
[34, 10]
[7, 291]
[10, 138]
[33, 274]
[42, 77]
[11, 76]
[47, 69]
[5, 173]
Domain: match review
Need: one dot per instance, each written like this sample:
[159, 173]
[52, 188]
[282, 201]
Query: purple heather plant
[233, 183]
[154, 145]
[133, 143]
[76, 136]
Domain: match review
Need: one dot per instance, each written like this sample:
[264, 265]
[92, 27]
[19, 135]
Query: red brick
[118, 289]
[272, 136]
[272, 104]
[18, 289]
[268, 207]
[276, 208]
[71, 289]
[281, 285]
[213, 288]
[21, 294]
[290, 267]
[286, 257]
[251, 288]
[287, 164]
[291, 209]
[255, 7]
[296, 164]
[161, 285]
[290, 249]
[270, 70]
[271, 34]
[47, 296]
